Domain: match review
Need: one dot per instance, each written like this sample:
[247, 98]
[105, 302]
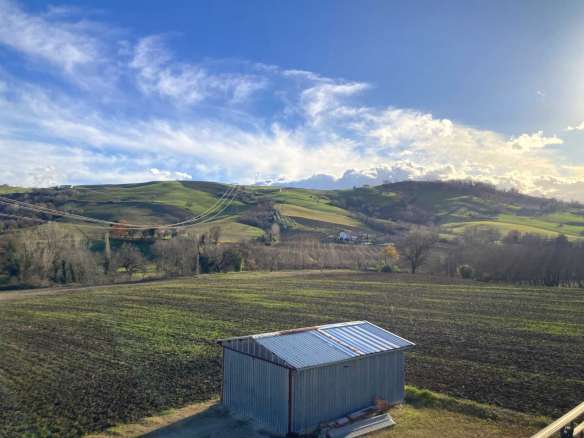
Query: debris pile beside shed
[294, 381]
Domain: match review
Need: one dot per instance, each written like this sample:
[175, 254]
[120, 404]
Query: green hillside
[457, 205]
[191, 198]
[6, 189]
[377, 211]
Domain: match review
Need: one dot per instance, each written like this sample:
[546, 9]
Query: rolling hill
[377, 211]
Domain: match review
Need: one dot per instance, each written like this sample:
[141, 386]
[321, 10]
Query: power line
[206, 220]
[209, 210]
[222, 203]
[219, 212]
[45, 210]
[227, 196]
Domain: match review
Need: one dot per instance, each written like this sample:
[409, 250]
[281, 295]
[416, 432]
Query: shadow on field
[213, 422]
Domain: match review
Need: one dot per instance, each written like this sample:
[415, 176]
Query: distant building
[344, 236]
[291, 381]
[350, 236]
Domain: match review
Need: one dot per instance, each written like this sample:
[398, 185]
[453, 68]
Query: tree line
[57, 254]
[484, 254]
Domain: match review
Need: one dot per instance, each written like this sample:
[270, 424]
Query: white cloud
[317, 131]
[63, 44]
[324, 97]
[40, 164]
[186, 83]
[579, 127]
[303, 74]
[169, 175]
[395, 127]
[378, 144]
[526, 142]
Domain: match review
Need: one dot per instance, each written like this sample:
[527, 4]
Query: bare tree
[129, 258]
[50, 253]
[215, 234]
[177, 256]
[416, 246]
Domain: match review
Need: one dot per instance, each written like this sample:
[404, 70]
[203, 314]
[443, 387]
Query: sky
[327, 94]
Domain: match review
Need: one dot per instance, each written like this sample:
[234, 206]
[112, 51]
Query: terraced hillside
[381, 210]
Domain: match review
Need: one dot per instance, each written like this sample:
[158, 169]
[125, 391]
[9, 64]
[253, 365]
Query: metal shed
[291, 381]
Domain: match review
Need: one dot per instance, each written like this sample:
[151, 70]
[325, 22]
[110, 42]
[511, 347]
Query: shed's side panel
[329, 392]
[255, 388]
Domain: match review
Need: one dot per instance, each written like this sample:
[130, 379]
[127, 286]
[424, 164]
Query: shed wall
[256, 388]
[329, 392]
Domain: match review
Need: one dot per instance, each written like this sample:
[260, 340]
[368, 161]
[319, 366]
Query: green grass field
[6, 189]
[172, 193]
[560, 223]
[231, 231]
[339, 217]
[457, 228]
[81, 361]
[543, 226]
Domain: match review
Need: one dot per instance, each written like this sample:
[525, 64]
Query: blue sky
[322, 94]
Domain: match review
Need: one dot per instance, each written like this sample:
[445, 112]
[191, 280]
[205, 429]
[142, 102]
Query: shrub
[466, 271]
[231, 260]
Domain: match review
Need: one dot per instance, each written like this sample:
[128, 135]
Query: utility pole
[198, 243]
[107, 252]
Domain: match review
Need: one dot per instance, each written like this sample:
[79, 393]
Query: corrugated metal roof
[314, 346]
[301, 350]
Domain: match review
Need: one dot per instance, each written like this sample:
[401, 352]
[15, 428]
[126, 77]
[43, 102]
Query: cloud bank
[111, 107]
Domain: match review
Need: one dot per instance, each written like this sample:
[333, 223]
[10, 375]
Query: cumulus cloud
[579, 127]
[526, 142]
[177, 119]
